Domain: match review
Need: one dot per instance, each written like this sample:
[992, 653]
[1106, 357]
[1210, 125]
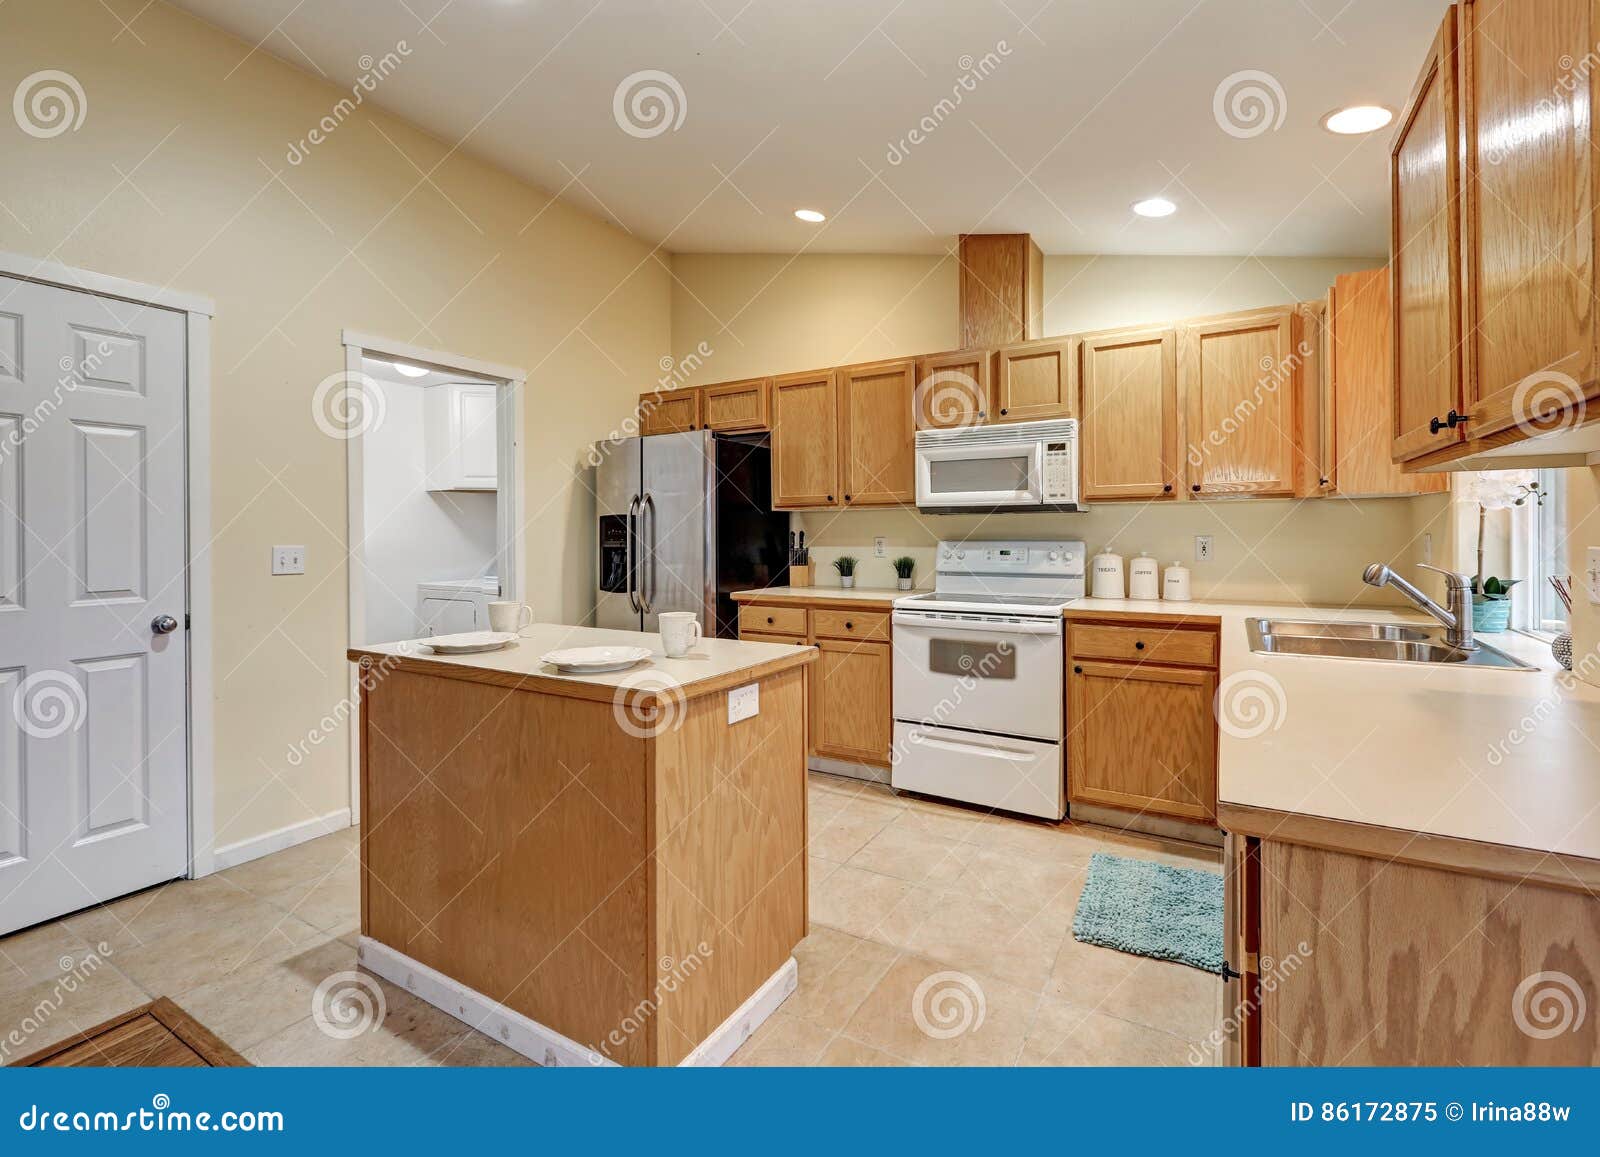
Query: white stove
[978, 680]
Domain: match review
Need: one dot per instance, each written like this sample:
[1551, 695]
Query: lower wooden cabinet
[849, 686]
[1141, 735]
[1360, 958]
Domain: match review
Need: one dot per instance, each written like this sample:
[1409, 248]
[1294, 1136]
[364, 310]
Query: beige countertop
[1503, 757]
[711, 665]
[883, 595]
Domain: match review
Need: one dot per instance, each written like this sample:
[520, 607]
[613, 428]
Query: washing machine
[449, 606]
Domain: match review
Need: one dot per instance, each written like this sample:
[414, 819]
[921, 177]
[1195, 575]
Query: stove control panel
[1012, 557]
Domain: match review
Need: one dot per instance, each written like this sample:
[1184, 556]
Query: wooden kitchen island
[591, 869]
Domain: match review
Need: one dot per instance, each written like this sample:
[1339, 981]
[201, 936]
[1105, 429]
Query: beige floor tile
[932, 1015]
[1084, 974]
[842, 835]
[249, 1005]
[837, 971]
[1071, 844]
[1159, 994]
[411, 1032]
[958, 825]
[251, 933]
[1026, 885]
[300, 864]
[144, 917]
[1066, 1034]
[912, 855]
[783, 1041]
[819, 870]
[41, 953]
[856, 902]
[42, 1014]
[976, 935]
[331, 902]
[477, 1051]
[846, 1053]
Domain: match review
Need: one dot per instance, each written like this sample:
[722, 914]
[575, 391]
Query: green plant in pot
[903, 566]
[846, 566]
[1491, 606]
[1496, 490]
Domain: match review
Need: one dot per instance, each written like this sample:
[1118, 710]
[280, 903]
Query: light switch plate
[1202, 548]
[744, 702]
[880, 547]
[1591, 573]
[288, 560]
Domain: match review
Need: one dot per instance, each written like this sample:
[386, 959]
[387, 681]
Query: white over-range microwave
[1019, 466]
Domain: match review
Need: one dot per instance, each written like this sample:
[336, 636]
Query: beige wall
[1583, 522]
[770, 314]
[503, 274]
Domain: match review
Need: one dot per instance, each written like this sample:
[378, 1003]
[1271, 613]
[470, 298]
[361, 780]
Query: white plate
[594, 660]
[468, 642]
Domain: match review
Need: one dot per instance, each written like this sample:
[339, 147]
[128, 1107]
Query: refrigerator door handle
[628, 559]
[650, 560]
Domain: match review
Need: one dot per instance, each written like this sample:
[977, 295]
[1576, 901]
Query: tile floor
[939, 936]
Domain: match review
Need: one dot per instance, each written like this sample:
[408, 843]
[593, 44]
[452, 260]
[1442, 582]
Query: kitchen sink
[1390, 642]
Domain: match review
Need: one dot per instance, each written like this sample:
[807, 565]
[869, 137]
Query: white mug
[509, 618]
[679, 630]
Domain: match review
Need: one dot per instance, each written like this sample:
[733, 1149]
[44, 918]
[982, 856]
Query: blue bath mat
[1152, 909]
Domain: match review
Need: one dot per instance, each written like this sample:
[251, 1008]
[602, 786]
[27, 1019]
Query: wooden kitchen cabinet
[737, 406]
[805, 440]
[1315, 404]
[876, 433]
[1000, 288]
[953, 389]
[851, 712]
[1357, 396]
[1141, 734]
[1238, 376]
[669, 411]
[1130, 417]
[1036, 380]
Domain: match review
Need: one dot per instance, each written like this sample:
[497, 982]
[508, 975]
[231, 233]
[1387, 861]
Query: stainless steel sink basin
[1390, 642]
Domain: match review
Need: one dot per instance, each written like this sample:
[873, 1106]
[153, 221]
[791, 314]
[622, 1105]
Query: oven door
[978, 673]
[999, 474]
[996, 771]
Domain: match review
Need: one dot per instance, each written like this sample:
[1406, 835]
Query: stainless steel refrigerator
[684, 520]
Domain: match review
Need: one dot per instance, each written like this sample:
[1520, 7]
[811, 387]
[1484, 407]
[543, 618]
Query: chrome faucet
[1457, 617]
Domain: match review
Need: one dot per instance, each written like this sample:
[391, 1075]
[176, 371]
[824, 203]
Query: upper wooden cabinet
[733, 406]
[1000, 280]
[1315, 403]
[805, 440]
[1130, 415]
[1238, 377]
[1036, 380]
[1528, 207]
[1355, 441]
[953, 389]
[876, 434]
[669, 411]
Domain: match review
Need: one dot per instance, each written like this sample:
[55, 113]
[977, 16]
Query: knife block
[801, 576]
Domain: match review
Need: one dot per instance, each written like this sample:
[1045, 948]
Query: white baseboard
[232, 855]
[848, 768]
[544, 1045]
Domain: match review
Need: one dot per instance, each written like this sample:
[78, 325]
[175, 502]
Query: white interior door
[93, 719]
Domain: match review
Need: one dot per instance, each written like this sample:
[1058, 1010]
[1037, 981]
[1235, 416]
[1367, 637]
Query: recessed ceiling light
[1154, 207]
[811, 215]
[1357, 119]
[410, 371]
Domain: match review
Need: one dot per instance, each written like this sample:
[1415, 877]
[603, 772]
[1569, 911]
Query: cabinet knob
[769, 618]
[1138, 646]
[1167, 489]
[1003, 410]
[1322, 482]
[830, 498]
[981, 414]
[1077, 670]
[849, 626]
[1195, 488]
[847, 498]
[1434, 425]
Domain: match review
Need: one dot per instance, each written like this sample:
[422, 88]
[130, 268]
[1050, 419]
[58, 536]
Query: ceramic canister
[1107, 571]
[1175, 583]
[1144, 581]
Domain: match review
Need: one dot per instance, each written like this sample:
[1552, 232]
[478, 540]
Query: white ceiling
[1089, 106]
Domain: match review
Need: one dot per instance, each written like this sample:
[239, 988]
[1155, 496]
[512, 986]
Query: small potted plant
[846, 566]
[903, 566]
[1491, 606]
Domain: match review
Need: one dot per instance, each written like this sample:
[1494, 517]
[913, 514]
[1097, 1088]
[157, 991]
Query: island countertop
[711, 665]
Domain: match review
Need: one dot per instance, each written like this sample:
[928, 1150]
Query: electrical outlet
[1202, 548]
[1591, 573]
[880, 547]
[744, 702]
[288, 560]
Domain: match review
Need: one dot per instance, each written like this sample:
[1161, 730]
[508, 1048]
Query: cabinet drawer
[772, 620]
[849, 624]
[766, 637]
[1145, 643]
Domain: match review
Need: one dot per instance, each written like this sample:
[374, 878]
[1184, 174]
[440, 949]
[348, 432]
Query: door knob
[163, 624]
